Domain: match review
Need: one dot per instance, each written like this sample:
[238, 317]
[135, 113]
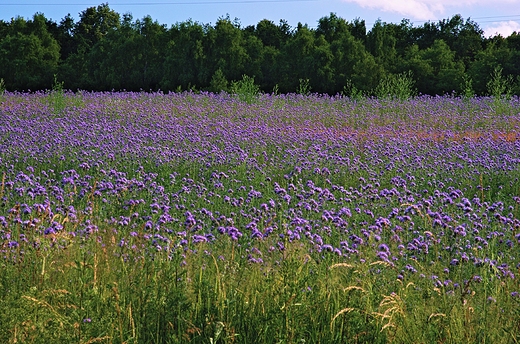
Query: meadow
[203, 218]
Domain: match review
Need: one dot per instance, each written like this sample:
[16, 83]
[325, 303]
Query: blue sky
[497, 16]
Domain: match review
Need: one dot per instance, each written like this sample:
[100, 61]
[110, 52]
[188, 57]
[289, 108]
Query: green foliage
[350, 90]
[105, 51]
[304, 87]
[2, 89]
[95, 23]
[184, 56]
[246, 89]
[57, 96]
[500, 86]
[226, 49]
[435, 68]
[367, 73]
[218, 82]
[346, 65]
[396, 86]
[29, 54]
[275, 90]
[467, 87]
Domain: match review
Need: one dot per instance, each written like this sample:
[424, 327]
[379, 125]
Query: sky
[494, 17]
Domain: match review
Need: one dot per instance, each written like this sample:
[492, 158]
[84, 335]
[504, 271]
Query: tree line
[105, 51]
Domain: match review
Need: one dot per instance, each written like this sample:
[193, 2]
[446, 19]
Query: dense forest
[104, 50]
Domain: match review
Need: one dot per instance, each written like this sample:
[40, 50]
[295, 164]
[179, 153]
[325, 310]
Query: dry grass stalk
[395, 306]
[98, 339]
[434, 315]
[344, 310]
[337, 265]
[354, 287]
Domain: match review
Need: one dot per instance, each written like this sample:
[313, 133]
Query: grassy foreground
[151, 218]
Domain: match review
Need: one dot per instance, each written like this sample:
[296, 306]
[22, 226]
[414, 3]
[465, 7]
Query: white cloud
[427, 9]
[416, 9]
[502, 28]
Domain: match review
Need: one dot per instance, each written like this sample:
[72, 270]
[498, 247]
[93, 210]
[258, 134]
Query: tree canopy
[104, 50]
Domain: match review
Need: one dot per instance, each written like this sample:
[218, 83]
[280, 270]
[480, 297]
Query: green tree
[447, 73]
[273, 38]
[101, 52]
[468, 42]
[345, 49]
[218, 82]
[465, 38]
[131, 57]
[421, 68]
[435, 68]
[94, 24]
[29, 55]
[296, 58]
[148, 51]
[496, 54]
[4, 28]
[367, 73]
[273, 35]
[185, 56]
[322, 72]
[382, 45]
[226, 50]
[254, 57]
[351, 62]
[513, 43]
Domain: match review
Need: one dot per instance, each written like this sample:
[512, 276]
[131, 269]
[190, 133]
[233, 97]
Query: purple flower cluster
[172, 173]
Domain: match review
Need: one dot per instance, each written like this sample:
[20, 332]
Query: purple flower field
[423, 190]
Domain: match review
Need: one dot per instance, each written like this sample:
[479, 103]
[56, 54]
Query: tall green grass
[2, 89]
[92, 292]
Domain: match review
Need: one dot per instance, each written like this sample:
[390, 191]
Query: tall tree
[381, 43]
[93, 25]
[226, 50]
[497, 54]
[513, 44]
[150, 47]
[468, 42]
[273, 35]
[297, 58]
[103, 52]
[322, 72]
[273, 38]
[349, 55]
[185, 56]
[435, 68]
[255, 56]
[29, 55]
[131, 57]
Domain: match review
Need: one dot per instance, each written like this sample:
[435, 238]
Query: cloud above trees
[501, 28]
[427, 9]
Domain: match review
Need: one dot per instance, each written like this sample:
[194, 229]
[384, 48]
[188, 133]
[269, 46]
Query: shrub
[246, 89]
[500, 86]
[396, 86]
